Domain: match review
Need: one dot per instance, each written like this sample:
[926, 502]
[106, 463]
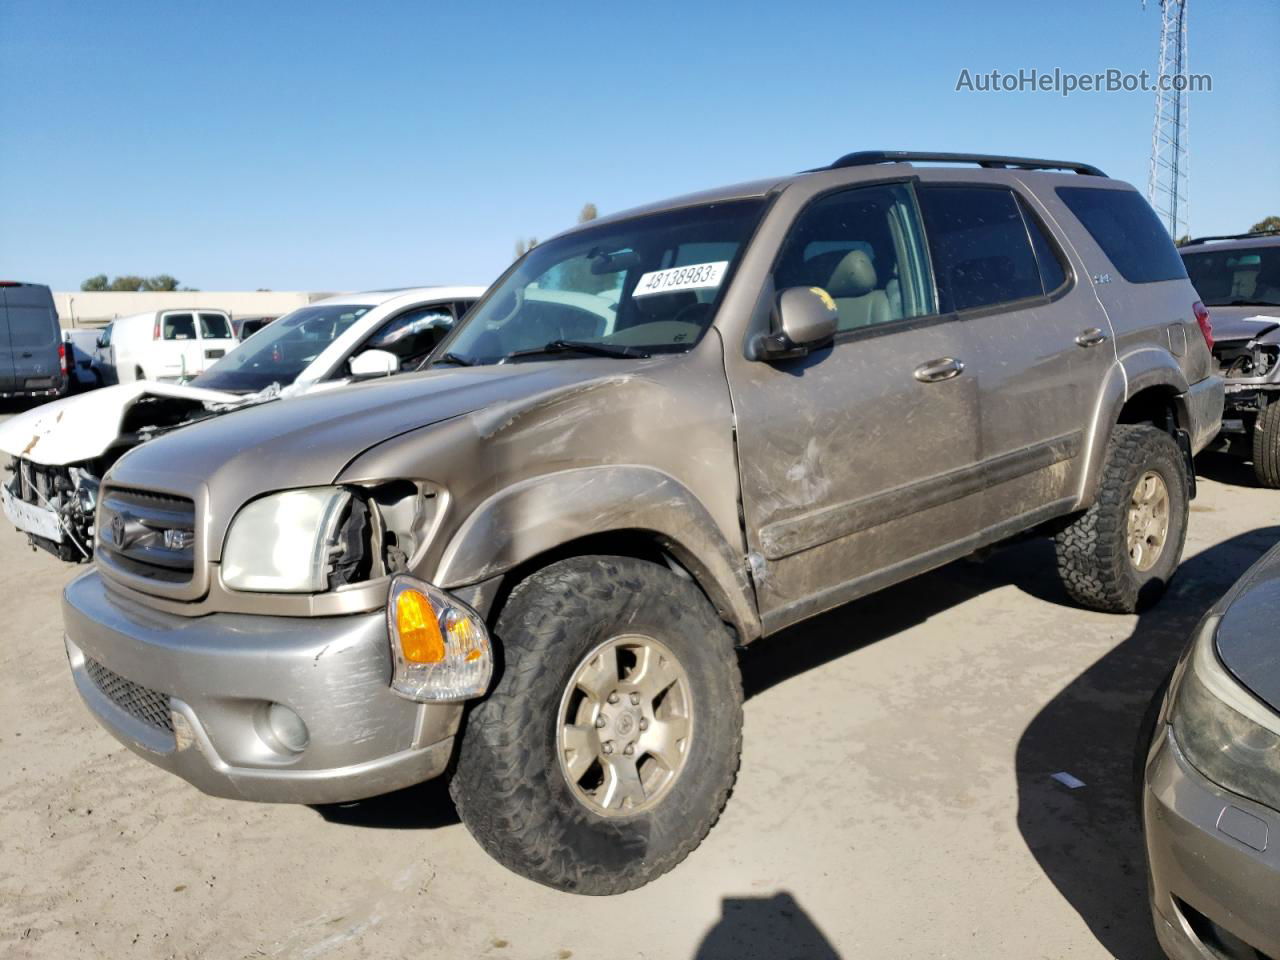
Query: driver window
[413, 334]
[865, 248]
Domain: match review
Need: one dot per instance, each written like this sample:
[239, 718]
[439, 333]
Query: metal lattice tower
[1168, 179]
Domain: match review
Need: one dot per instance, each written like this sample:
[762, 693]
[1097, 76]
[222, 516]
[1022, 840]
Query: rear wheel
[1119, 555]
[609, 745]
[1266, 445]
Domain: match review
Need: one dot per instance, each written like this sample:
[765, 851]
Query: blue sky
[332, 146]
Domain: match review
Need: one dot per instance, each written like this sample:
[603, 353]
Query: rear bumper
[1203, 403]
[1211, 886]
[191, 695]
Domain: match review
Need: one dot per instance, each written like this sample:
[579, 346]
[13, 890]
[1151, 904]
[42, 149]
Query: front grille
[143, 703]
[148, 534]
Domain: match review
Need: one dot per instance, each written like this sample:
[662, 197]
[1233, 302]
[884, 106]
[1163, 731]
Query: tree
[1266, 225]
[523, 246]
[589, 212]
[129, 283]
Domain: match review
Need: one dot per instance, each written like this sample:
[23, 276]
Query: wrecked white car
[58, 452]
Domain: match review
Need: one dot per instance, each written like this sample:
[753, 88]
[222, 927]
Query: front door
[859, 461]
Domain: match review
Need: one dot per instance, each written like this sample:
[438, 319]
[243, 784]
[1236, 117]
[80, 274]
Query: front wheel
[1119, 555]
[609, 746]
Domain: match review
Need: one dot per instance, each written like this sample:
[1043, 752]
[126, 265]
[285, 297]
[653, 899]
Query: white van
[169, 344]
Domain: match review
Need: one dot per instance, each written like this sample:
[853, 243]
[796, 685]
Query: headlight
[1225, 732]
[281, 543]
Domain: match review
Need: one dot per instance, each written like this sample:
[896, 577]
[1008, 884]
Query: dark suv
[658, 436]
[1239, 278]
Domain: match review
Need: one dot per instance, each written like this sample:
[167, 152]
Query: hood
[308, 440]
[1246, 637]
[84, 426]
[1242, 323]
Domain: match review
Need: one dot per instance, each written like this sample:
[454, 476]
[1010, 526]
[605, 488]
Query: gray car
[33, 357]
[1211, 800]
[659, 436]
[1238, 279]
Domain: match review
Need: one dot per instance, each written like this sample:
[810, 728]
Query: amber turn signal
[420, 637]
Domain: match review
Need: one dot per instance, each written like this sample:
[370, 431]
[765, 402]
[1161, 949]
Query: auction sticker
[696, 276]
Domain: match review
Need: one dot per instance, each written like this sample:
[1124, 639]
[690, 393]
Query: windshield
[645, 285]
[282, 350]
[1245, 276]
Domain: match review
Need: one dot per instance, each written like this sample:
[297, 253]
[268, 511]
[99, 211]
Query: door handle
[1091, 337]
[26, 356]
[935, 371]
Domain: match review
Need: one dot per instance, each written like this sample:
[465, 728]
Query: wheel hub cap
[1148, 522]
[625, 725]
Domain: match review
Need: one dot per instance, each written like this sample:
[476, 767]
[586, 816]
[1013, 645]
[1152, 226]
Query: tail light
[1205, 324]
[155, 330]
[63, 358]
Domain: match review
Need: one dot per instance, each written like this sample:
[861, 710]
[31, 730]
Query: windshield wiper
[451, 357]
[581, 346]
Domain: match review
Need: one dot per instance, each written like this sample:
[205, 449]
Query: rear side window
[1128, 231]
[982, 255]
[214, 326]
[1052, 274]
[179, 326]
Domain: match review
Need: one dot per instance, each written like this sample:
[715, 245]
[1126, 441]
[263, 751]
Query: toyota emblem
[117, 530]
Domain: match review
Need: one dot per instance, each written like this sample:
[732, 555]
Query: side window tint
[1052, 273]
[179, 326]
[1128, 231]
[981, 253]
[413, 334]
[214, 326]
[864, 247]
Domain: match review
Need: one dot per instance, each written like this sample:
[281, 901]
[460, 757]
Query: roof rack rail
[989, 160]
[1232, 236]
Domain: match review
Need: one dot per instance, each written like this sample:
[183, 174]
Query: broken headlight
[282, 543]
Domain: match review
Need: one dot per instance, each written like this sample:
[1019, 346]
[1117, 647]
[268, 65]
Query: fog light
[287, 727]
[439, 646]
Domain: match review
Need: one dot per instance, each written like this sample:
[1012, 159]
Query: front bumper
[1204, 404]
[215, 677]
[1215, 863]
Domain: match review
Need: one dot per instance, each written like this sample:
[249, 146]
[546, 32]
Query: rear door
[1042, 345]
[216, 338]
[179, 347]
[34, 335]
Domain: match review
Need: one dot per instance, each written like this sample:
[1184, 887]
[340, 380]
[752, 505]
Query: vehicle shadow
[1088, 840]
[425, 806]
[1226, 468]
[1028, 565]
[766, 928]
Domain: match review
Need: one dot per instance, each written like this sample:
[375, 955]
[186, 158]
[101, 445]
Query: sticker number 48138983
[693, 277]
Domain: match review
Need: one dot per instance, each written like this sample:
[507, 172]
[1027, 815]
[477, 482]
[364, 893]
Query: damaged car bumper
[276, 709]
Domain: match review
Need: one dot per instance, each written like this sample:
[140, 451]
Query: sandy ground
[895, 798]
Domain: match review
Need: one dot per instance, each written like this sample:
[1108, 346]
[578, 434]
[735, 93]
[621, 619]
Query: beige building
[93, 309]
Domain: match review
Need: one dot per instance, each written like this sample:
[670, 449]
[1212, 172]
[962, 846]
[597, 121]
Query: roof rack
[989, 160]
[1232, 236]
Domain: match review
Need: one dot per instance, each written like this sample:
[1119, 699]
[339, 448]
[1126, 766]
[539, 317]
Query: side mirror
[804, 319]
[374, 363]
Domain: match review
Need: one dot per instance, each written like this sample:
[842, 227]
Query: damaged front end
[53, 505]
[59, 452]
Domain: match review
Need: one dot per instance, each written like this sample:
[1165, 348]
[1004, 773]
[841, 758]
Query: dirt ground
[895, 798]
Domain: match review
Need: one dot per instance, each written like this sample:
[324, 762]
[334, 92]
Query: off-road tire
[1093, 556]
[1266, 445]
[508, 785]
